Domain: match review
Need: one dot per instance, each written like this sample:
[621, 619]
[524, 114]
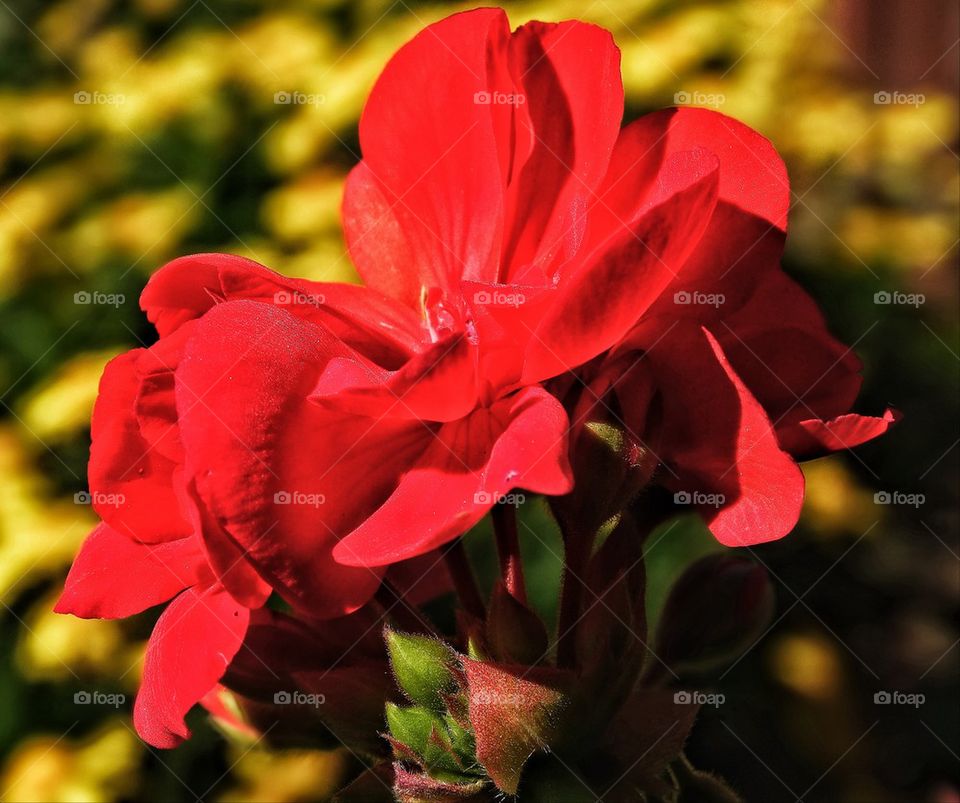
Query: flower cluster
[552, 304]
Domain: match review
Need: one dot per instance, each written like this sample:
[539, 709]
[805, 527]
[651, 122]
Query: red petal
[191, 646]
[431, 147]
[506, 317]
[520, 442]
[779, 344]
[225, 557]
[796, 374]
[114, 576]
[156, 403]
[737, 254]
[744, 239]
[568, 74]
[719, 440]
[753, 177]
[376, 242]
[284, 477]
[440, 384]
[598, 305]
[131, 481]
[186, 288]
[813, 437]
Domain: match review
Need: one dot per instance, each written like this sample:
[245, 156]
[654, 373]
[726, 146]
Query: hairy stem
[576, 552]
[508, 550]
[465, 583]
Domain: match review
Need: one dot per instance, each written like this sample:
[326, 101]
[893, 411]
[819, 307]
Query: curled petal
[813, 437]
[283, 477]
[131, 477]
[225, 556]
[720, 445]
[567, 76]
[189, 650]
[753, 177]
[186, 288]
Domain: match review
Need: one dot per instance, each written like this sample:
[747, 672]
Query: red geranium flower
[217, 480]
[282, 433]
[499, 199]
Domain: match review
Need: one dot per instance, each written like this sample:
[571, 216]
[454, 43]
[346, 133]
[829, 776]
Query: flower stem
[463, 580]
[508, 550]
[576, 551]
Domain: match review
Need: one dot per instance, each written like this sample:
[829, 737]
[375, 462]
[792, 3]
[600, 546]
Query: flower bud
[423, 668]
[718, 608]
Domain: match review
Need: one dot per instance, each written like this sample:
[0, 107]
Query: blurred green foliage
[131, 133]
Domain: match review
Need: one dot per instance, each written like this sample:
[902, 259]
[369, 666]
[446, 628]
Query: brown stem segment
[465, 583]
[508, 550]
[576, 552]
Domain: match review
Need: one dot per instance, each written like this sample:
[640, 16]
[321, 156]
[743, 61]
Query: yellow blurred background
[134, 132]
